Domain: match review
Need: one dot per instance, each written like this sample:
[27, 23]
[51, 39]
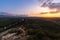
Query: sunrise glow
[51, 15]
[46, 12]
[46, 15]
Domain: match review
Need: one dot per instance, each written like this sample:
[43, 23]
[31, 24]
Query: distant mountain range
[4, 14]
[8, 15]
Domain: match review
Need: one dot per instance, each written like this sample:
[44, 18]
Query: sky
[18, 7]
[56, 1]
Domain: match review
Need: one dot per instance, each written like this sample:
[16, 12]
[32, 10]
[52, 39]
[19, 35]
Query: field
[37, 28]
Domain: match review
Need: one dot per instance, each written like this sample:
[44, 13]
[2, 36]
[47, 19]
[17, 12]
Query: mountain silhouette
[8, 15]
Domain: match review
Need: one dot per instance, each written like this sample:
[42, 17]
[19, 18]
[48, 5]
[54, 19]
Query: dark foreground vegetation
[7, 23]
[37, 28]
[42, 28]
